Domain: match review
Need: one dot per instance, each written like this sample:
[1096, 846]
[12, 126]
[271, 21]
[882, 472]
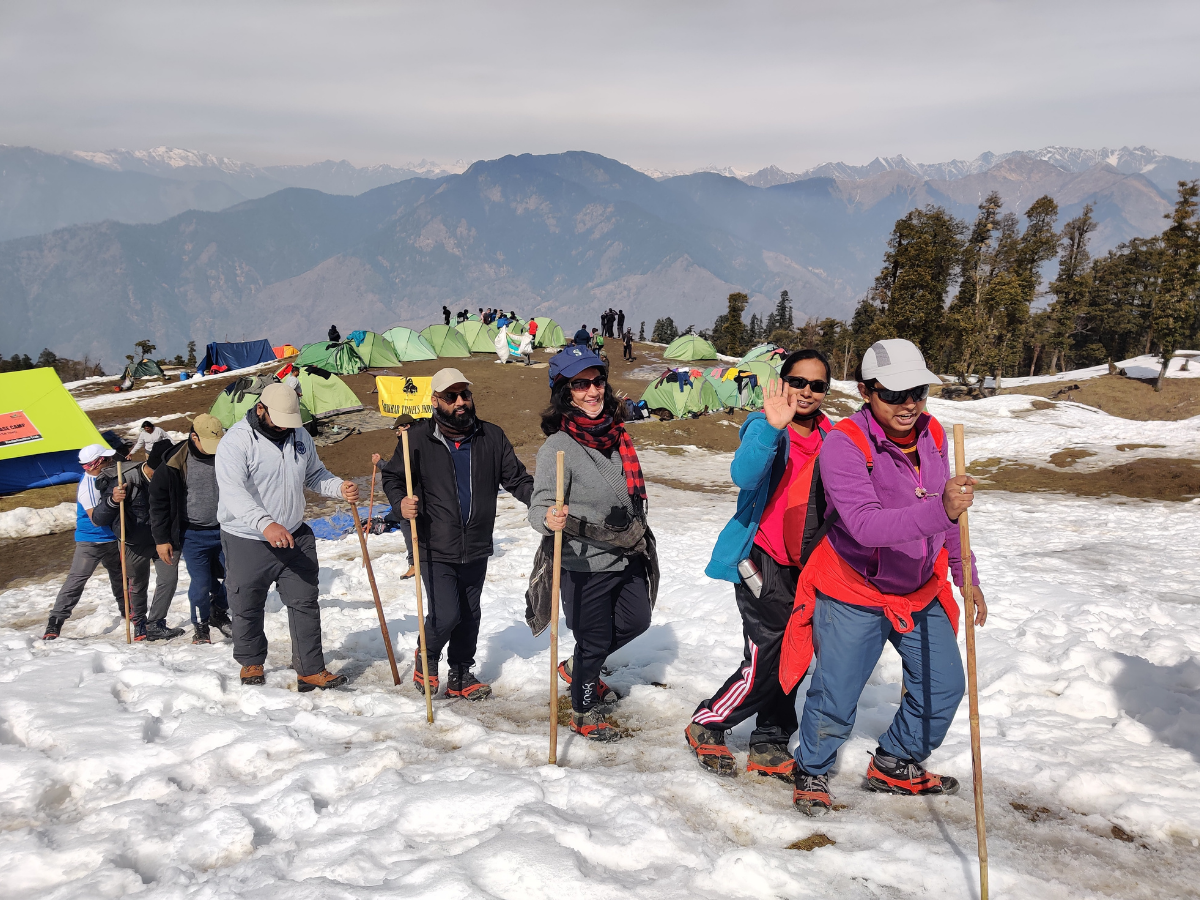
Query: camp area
[225, 357]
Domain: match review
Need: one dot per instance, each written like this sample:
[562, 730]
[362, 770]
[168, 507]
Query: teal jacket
[757, 468]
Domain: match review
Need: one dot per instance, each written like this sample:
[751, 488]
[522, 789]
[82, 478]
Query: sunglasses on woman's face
[818, 387]
[582, 384]
[452, 396]
[895, 398]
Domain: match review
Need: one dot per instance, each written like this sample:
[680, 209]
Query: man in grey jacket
[263, 465]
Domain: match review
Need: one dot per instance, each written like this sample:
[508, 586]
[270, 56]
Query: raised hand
[777, 405]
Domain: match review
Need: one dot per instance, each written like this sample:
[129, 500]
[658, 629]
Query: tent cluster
[688, 391]
[322, 394]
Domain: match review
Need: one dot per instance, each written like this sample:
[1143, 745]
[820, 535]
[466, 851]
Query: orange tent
[285, 350]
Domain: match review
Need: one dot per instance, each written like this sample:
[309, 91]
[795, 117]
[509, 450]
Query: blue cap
[573, 360]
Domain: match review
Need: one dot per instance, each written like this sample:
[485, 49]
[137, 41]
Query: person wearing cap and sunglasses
[880, 576]
[759, 552]
[610, 566]
[95, 545]
[183, 520]
[459, 462]
[264, 463]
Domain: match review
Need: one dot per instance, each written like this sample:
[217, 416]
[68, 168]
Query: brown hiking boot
[253, 675]
[419, 674]
[709, 746]
[323, 680]
[412, 570]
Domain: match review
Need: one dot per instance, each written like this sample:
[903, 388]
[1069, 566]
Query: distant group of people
[612, 323]
[844, 538]
[488, 316]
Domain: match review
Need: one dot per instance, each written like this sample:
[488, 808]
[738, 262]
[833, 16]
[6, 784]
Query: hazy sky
[673, 85]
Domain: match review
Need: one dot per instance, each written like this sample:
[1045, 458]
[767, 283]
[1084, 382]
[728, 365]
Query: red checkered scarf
[603, 434]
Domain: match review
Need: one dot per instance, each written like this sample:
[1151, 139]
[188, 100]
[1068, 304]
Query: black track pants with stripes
[754, 688]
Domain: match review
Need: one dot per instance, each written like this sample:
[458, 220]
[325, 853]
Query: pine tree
[780, 319]
[1173, 316]
[191, 357]
[46, 359]
[754, 330]
[664, 331]
[1072, 289]
[729, 332]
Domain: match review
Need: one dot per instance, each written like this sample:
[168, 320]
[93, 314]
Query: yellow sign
[398, 395]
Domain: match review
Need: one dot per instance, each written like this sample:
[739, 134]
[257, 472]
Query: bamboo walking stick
[370, 513]
[960, 468]
[554, 589]
[387, 638]
[124, 573]
[417, 564]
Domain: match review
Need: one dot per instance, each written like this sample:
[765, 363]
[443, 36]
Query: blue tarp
[42, 470]
[236, 356]
[330, 528]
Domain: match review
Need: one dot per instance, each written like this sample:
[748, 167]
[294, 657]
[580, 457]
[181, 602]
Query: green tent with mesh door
[376, 351]
[480, 338]
[549, 333]
[324, 394]
[446, 341]
[768, 353]
[408, 344]
[690, 346]
[339, 357]
[697, 397]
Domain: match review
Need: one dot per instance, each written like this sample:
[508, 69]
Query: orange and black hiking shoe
[605, 696]
[461, 683]
[811, 795]
[53, 629]
[711, 752]
[889, 775]
[323, 680]
[772, 759]
[419, 674]
[253, 675]
[591, 725]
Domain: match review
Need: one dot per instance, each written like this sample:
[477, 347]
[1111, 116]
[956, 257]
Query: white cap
[897, 364]
[283, 405]
[444, 379]
[93, 452]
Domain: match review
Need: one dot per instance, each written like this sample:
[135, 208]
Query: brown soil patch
[1129, 398]
[1142, 479]
[30, 560]
[40, 498]
[812, 842]
[1064, 459]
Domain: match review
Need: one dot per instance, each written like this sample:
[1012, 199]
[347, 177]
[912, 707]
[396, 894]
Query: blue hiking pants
[205, 561]
[847, 642]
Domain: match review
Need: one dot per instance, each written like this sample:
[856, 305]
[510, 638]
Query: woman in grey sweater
[608, 554]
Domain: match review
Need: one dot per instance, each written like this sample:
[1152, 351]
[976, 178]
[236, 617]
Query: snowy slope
[151, 769]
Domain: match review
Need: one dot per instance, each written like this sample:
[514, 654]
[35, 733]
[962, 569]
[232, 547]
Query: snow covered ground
[25, 521]
[111, 399]
[1135, 367]
[151, 769]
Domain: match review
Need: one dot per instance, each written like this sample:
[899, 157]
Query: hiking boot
[711, 752]
[591, 725]
[323, 680]
[139, 628]
[772, 759]
[461, 683]
[218, 618]
[419, 673]
[412, 570]
[200, 634]
[811, 795]
[889, 775]
[253, 675]
[53, 629]
[158, 631]
[605, 696]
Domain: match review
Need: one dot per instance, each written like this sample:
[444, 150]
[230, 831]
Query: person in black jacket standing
[458, 464]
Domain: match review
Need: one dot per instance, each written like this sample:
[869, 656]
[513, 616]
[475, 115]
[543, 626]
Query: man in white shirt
[150, 435]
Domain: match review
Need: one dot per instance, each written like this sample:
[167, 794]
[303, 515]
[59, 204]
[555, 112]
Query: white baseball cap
[283, 405]
[897, 364]
[93, 452]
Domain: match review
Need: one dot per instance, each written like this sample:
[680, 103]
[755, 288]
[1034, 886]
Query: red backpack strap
[938, 432]
[852, 430]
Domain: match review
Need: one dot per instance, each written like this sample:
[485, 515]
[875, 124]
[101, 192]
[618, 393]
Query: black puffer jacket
[168, 496]
[137, 506]
[441, 534]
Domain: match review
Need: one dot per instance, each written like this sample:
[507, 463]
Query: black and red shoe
[461, 683]
[139, 628]
[592, 725]
[709, 746]
[53, 629]
[773, 760]
[419, 674]
[605, 696]
[889, 775]
[811, 795]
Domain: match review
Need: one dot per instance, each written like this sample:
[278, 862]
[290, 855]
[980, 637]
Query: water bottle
[751, 576]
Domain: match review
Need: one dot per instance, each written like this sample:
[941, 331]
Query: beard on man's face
[460, 417]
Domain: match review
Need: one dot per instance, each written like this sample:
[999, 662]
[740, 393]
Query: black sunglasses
[818, 387]
[452, 396]
[895, 398]
[582, 384]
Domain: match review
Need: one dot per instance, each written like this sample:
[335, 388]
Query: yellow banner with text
[400, 395]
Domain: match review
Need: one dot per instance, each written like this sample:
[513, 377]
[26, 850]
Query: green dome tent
[768, 353]
[324, 394]
[549, 333]
[517, 325]
[480, 338]
[374, 349]
[340, 357]
[698, 396]
[765, 372]
[408, 344]
[690, 346]
[446, 341]
[726, 389]
[238, 396]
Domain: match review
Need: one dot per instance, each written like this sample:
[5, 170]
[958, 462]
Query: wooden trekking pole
[964, 534]
[370, 513]
[387, 638]
[417, 565]
[554, 588]
[124, 573]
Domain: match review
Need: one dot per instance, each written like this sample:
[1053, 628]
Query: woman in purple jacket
[880, 576]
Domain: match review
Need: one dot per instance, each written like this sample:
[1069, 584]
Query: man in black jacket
[183, 521]
[458, 464]
[132, 491]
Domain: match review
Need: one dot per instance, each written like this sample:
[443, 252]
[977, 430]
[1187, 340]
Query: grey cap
[897, 364]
